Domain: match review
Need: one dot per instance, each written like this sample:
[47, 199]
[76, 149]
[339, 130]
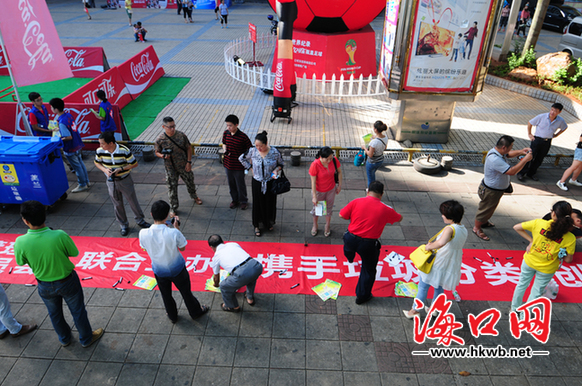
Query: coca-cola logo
[81, 123]
[279, 77]
[33, 40]
[142, 68]
[75, 57]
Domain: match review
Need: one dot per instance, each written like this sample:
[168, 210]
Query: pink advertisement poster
[446, 45]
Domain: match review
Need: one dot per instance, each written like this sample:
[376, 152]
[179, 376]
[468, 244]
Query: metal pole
[19, 104]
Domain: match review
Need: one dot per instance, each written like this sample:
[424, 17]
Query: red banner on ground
[111, 82]
[31, 40]
[86, 62]
[88, 126]
[286, 265]
[141, 71]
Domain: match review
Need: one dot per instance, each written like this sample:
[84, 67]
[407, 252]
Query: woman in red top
[324, 185]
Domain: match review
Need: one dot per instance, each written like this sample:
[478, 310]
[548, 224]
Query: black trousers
[264, 205]
[539, 149]
[182, 283]
[369, 251]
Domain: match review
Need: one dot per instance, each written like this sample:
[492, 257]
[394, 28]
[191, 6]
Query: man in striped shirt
[235, 143]
[116, 162]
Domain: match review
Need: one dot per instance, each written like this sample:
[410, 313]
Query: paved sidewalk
[284, 339]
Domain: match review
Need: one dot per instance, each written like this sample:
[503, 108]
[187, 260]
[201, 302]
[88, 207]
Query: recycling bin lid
[29, 148]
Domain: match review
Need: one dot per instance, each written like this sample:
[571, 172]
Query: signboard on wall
[446, 45]
[389, 37]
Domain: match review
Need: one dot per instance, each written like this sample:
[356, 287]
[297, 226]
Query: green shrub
[528, 60]
[562, 78]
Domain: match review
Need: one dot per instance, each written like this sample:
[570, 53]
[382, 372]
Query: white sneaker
[562, 186]
[574, 182]
[79, 188]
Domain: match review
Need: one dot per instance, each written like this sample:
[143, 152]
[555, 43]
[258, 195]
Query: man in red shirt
[368, 216]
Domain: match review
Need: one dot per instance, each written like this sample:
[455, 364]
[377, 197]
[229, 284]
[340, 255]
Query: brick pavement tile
[27, 371]
[387, 329]
[286, 325]
[173, 375]
[320, 326]
[314, 305]
[285, 377]
[138, 374]
[324, 378]
[358, 378]
[44, 344]
[359, 356]
[63, 373]
[288, 354]
[425, 364]
[249, 377]
[395, 379]
[355, 328]
[257, 324]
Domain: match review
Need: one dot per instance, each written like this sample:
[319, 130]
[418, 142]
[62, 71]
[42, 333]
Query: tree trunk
[536, 26]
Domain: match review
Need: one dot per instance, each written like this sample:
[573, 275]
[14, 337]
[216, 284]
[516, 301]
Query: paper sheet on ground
[329, 289]
[210, 282]
[146, 282]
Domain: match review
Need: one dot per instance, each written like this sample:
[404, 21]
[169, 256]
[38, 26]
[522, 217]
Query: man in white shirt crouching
[243, 270]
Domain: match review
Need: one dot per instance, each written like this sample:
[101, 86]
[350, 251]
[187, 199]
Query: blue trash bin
[31, 168]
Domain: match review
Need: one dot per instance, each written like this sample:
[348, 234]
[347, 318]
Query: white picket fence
[263, 78]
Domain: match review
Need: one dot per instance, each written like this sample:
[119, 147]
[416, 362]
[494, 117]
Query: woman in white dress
[446, 270]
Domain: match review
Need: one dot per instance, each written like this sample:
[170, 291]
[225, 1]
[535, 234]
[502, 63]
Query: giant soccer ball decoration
[335, 15]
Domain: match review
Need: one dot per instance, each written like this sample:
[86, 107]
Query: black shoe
[143, 224]
[124, 231]
[362, 301]
[520, 177]
[535, 178]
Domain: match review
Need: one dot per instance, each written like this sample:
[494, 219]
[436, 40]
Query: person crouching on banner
[164, 244]
[550, 243]
[116, 162]
[105, 114]
[446, 270]
[242, 268]
[72, 143]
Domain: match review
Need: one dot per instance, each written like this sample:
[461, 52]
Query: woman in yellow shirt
[550, 243]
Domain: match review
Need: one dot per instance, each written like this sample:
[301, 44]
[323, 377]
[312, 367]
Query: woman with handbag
[446, 270]
[326, 181]
[550, 243]
[267, 164]
[375, 151]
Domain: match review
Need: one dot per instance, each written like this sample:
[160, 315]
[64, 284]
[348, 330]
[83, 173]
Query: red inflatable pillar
[285, 86]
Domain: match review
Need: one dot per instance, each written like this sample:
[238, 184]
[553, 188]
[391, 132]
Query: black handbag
[281, 185]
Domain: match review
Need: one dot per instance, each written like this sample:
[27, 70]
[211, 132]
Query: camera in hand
[167, 151]
[173, 220]
[112, 176]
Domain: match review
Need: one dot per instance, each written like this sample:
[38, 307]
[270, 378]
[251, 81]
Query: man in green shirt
[47, 253]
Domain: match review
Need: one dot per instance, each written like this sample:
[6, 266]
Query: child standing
[223, 9]
[462, 41]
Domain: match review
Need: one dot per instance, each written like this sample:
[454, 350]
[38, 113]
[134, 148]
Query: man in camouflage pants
[174, 147]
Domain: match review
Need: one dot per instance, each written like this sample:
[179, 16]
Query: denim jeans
[371, 171]
[52, 294]
[7, 321]
[423, 292]
[76, 161]
[369, 251]
[539, 285]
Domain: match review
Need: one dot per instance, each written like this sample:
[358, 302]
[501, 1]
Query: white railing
[263, 78]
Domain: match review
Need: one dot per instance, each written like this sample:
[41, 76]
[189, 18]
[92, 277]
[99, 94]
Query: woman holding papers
[326, 182]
